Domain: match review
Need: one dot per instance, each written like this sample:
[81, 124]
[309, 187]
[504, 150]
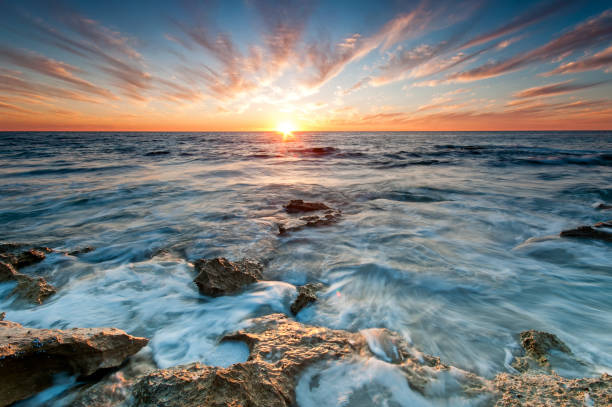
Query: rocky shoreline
[280, 348]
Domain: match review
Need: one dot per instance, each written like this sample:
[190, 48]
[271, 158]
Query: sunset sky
[342, 65]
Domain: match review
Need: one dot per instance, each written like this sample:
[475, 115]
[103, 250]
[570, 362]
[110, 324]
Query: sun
[285, 128]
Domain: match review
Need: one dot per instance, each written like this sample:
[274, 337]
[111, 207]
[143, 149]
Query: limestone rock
[220, 276]
[30, 357]
[306, 294]
[329, 217]
[528, 390]
[31, 289]
[280, 349]
[82, 250]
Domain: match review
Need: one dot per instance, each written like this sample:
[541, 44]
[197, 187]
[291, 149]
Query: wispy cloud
[592, 32]
[50, 67]
[601, 60]
[554, 89]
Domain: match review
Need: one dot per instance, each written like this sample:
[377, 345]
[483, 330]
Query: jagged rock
[32, 289]
[297, 206]
[2, 315]
[280, 349]
[537, 346]
[30, 357]
[306, 294]
[528, 390]
[599, 231]
[82, 250]
[12, 253]
[220, 276]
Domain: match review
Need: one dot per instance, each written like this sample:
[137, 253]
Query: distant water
[431, 243]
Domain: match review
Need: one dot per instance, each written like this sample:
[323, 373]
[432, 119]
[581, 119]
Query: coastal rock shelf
[29, 358]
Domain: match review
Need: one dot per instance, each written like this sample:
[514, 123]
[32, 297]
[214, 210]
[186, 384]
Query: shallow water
[432, 242]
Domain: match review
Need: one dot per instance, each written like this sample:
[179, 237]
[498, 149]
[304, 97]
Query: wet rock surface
[31, 289]
[18, 256]
[551, 390]
[83, 250]
[280, 349]
[30, 357]
[298, 206]
[599, 231]
[220, 276]
[537, 346]
[307, 294]
[603, 206]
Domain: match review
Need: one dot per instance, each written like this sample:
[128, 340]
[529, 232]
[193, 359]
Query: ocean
[450, 239]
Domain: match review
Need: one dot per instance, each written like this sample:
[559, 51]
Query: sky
[329, 65]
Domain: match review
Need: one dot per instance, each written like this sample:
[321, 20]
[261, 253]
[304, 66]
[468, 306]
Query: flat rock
[32, 289]
[220, 276]
[307, 294]
[280, 349]
[30, 357]
[297, 206]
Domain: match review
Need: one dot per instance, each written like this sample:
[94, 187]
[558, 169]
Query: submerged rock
[329, 217]
[537, 346]
[552, 390]
[29, 358]
[32, 289]
[603, 206]
[297, 206]
[307, 294]
[599, 231]
[220, 276]
[280, 349]
[82, 250]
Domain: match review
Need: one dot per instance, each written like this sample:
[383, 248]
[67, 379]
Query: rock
[30, 257]
[603, 206]
[297, 206]
[306, 294]
[115, 387]
[537, 346]
[7, 272]
[280, 349]
[29, 358]
[82, 250]
[34, 290]
[11, 253]
[329, 217]
[2, 315]
[552, 390]
[220, 276]
[598, 231]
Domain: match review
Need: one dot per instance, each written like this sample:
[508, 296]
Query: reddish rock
[32, 289]
[297, 206]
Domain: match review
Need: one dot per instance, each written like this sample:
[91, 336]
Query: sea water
[449, 239]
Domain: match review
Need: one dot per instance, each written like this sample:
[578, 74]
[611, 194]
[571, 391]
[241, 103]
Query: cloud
[50, 67]
[12, 82]
[601, 60]
[529, 17]
[592, 32]
[555, 89]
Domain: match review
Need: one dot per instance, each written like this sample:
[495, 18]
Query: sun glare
[286, 128]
